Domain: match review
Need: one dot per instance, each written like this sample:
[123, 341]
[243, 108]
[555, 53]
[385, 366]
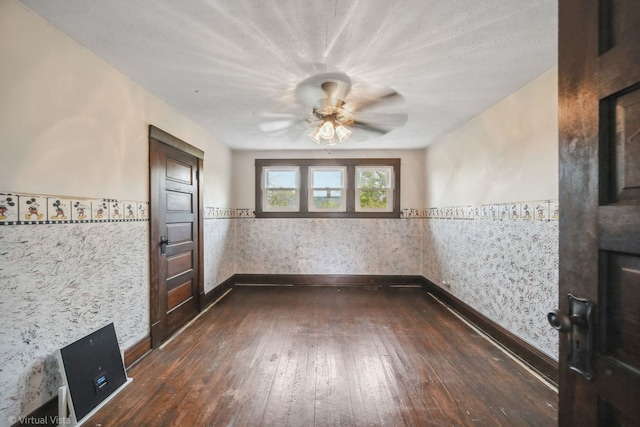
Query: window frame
[343, 202]
[265, 189]
[389, 189]
[350, 165]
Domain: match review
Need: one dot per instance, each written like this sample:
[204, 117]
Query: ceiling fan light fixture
[328, 134]
[343, 133]
[332, 117]
[315, 134]
[327, 131]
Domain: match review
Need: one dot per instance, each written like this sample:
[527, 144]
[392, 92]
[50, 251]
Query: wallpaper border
[29, 209]
[214, 212]
[536, 210]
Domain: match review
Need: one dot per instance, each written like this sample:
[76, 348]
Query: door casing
[158, 334]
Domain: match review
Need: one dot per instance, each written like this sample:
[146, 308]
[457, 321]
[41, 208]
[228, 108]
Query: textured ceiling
[225, 63]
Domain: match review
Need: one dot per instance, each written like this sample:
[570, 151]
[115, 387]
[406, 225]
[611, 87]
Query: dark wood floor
[328, 356]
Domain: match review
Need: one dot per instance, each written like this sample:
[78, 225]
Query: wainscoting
[59, 283]
[506, 270]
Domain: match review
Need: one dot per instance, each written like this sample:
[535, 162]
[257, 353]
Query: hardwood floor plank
[329, 356]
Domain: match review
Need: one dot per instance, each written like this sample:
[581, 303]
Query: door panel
[179, 294]
[599, 95]
[178, 171]
[178, 264]
[622, 331]
[626, 156]
[180, 232]
[179, 202]
[175, 287]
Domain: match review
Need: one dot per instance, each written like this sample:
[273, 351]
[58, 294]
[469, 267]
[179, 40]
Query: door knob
[163, 244]
[559, 320]
[578, 325]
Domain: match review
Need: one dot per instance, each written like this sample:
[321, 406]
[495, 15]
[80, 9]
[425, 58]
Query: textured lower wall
[219, 249]
[328, 246]
[60, 282]
[505, 269]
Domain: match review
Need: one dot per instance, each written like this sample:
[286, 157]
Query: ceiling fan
[332, 115]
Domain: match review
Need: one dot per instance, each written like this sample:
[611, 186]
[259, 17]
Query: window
[374, 188]
[281, 189]
[327, 188]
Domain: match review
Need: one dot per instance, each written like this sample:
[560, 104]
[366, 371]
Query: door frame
[155, 311]
[590, 229]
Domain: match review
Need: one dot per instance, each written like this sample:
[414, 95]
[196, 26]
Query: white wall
[505, 160]
[72, 126]
[412, 167]
[508, 153]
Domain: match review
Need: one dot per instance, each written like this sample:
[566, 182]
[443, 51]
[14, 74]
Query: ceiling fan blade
[383, 120]
[359, 135]
[319, 87]
[385, 98]
[370, 128]
[276, 127]
[335, 91]
[270, 127]
[309, 96]
[281, 115]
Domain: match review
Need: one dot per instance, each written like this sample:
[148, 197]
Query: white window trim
[343, 200]
[265, 189]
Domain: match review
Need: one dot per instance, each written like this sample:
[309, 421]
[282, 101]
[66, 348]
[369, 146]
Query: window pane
[373, 178]
[327, 199]
[327, 178]
[281, 199]
[373, 199]
[326, 188]
[280, 178]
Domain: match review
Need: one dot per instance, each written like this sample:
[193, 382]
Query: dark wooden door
[174, 237]
[599, 96]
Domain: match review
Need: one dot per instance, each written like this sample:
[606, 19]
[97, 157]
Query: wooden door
[175, 246]
[599, 100]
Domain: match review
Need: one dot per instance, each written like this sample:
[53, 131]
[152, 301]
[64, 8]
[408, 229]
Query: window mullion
[351, 188]
[304, 188]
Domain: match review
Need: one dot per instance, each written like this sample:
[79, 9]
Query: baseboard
[46, 414]
[137, 351]
[210, 297]
[328, 279]
[541, 362]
